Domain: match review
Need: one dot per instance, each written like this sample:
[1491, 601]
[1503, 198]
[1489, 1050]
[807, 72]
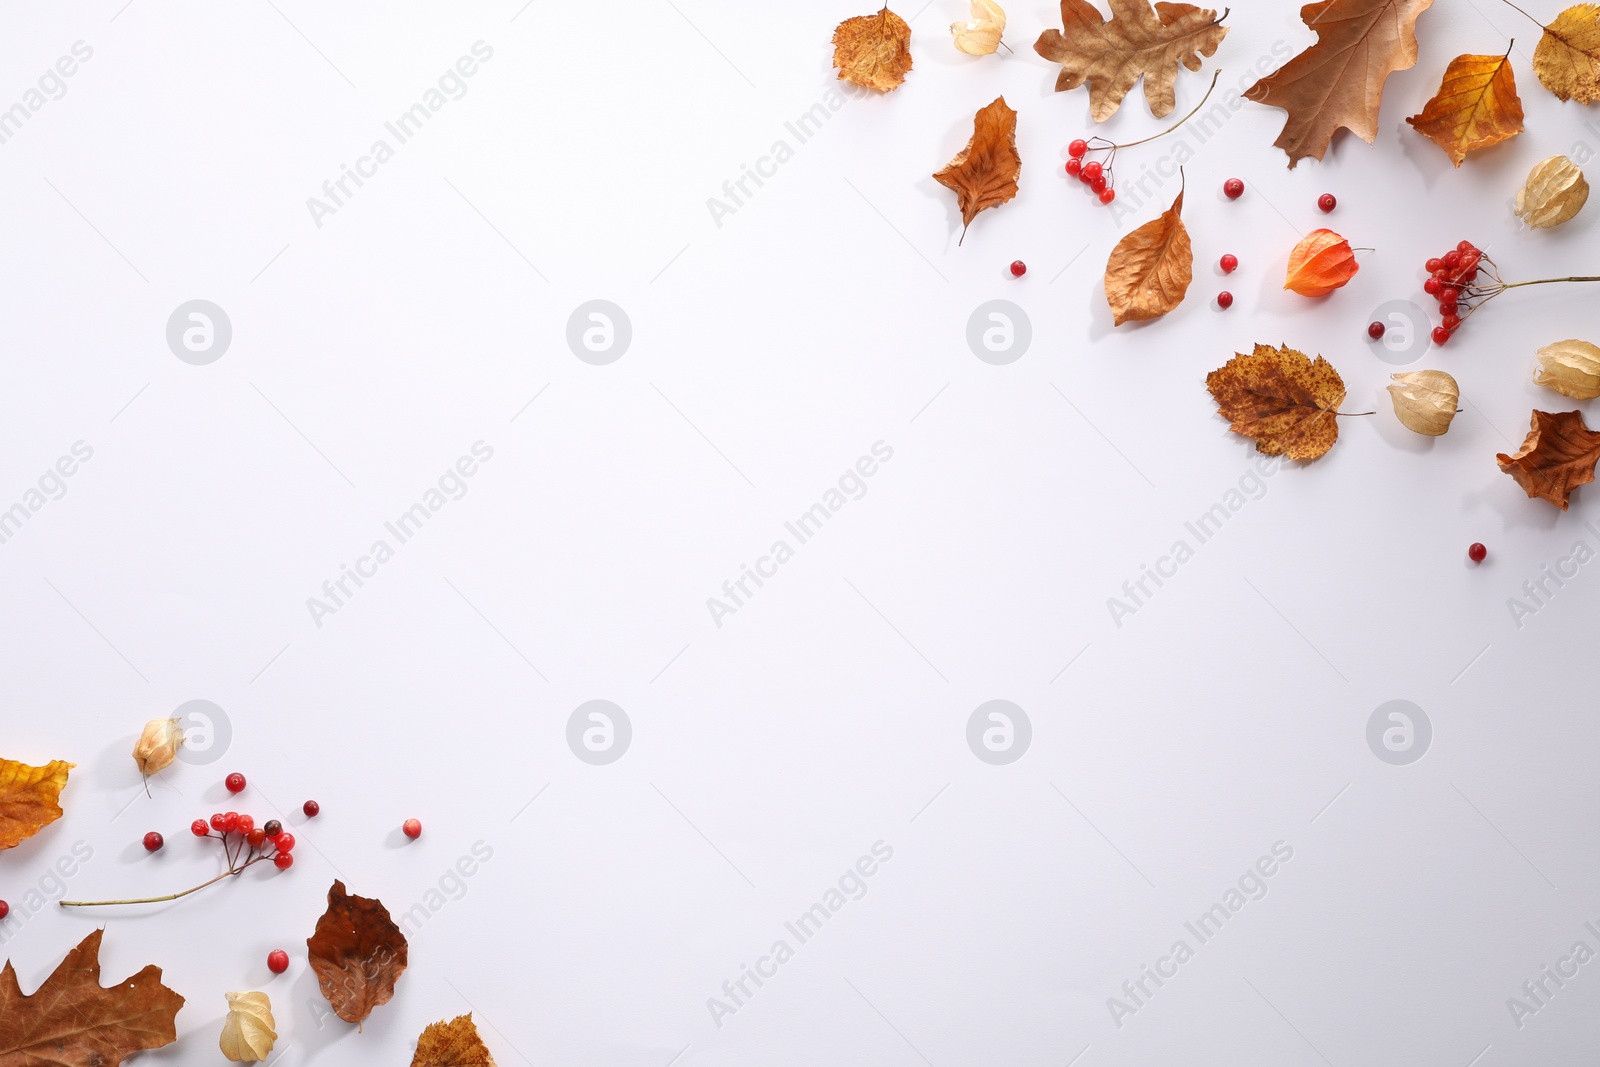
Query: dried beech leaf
[358, 954]
[1567, 60]
[1425, 401]
[158, 745]
[30, 799]
[1138, 41]
[980, 36]
[1322, 262]
[1571, 368]
[1555, 191]
[873, 50]
[984, 174]
[1149, 271]
[1556, 457]
[1338, 82]
[71, 1021]
[452, 1044]
[248, 1032]
[1476, 106]
[1282, 399]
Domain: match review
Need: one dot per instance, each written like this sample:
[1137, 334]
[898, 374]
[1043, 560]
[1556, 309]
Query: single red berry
[200, 828]
[230, 821]
[1441, 276]
[1440, 335]
[5, 909]
[1449, 295]
[1077, 148]
[217, 822]
[311, 807]
[1107, 195]
[283, 861]
[1470, 260]
[1098, 183]
[277, 961]
[245, 824]
[1375, 330]
[153, 841]
[1224, 300]
[411, 828]
[1233, 188]
[1074, 167]
[1465, 246]
[285, 842]
[1432, 286]
[272, 828]
[1476, 552]
[1229, 263]
[1093, 169]
[1452, 260]
[1434, 264]
[1466, 276]
[1018, 268]
[1449, 311]
[1327, 202]
[256, 837]
[1451, 321]
[234, 782]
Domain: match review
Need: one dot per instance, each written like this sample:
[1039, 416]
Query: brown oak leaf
[1567, 60]
[1285, 401]
[71, 1021]
[29, 798]
[984, 174]
[452, 1044]
[1138, 41]
[358, 954]
[1476, 106]
[873, 50]
[1149, 271]
[1556, 457]
[1338, 82]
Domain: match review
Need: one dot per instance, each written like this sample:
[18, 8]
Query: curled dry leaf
[158, 745]
[1322, 262]
[248, 1033]
[984, 174]
[1282, 399]
[1556, 457]
[71, 1021]
[358, 954]
[1476, 106]
[1425, 401]
[1555, 191]
[1338, 82]
[30, 798]
[1571, 368]
[1567, 61]
[1149, 271]
[1137, 41]
[980, 36]
[873, 50]
[452, 1044]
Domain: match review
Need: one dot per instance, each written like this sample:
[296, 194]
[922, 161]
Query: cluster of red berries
[1095, 173]
[1450, 281]
[226, 823]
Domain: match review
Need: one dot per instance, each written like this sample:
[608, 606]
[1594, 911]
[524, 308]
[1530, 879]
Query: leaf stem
[1547, 281]
[1192, 111]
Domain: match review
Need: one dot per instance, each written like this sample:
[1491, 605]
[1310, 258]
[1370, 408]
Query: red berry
[1432, 286]
[1449, 295]
[256, 837]
[1018, 268]
[1327, 202]
[1466, 246]
[1093, 170]
[1469, 260]
[1224, 300]
[1229, 263]
[272, 828]
[277, 961]
[5, 909]
[1074, 167]
[230, 821]
[1077, 148]
[283, 861]
[1233, 188]
[1375, 330]
[200, 828]
[1433, 265]
[245, 824]
[1098, 183]
[1452, 260]
[1107, 195]
[153, 841]
[411, 828]
[1450, 311]
[285, 842]
[311, 807]
[234, 782]
[1476, 552]
[1440, 335]
[217, 822]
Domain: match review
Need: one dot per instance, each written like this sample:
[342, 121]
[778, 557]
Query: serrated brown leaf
[873, 50]
[452, 1044]
[71, 1021]
[358, 954]
[1287, 402]
[1138, 41]
[30, 798]
[1567, 60]
[984, 174]
[1556, 457]
[1476, 106]
[1338, 82]
[1150, 269]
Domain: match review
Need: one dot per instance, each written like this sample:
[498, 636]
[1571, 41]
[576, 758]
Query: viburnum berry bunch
[1093, 161]
[244, 844]
[1463, 280]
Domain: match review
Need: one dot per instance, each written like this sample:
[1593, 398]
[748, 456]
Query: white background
[769, 353]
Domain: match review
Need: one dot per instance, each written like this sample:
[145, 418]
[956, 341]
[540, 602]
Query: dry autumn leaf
[1476, 106]
[1555, 191]
[984, 174]
[72, 1022]
[1138, 41]
[452, 1044]
[1338, 82]
[1149, 271]
[980, 35]
[873, 50]
[1567, 60]
[1282, 399]
[29, 798]
[157, 746]
[248, 1033]
[1425, 401]
[1571, 368]
[1556, 457]
[358, 954]
[1322, 262]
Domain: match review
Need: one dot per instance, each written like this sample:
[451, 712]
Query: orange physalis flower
[1320, 263]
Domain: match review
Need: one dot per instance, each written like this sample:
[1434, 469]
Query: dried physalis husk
[1555, 191]
[981, 35]
[248, 1034]
[1571, 368]
[158, 745]
[1425, 401]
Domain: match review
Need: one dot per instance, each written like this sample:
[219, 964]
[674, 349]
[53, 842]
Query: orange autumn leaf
[873, 50]
[984, 174]
[358, 954]
[1320, 263]
[1557, 456]
[29, 798]
[1476, 106]
[1149, 271]
[1282, 399]
[452, 1044]
[1567, 61]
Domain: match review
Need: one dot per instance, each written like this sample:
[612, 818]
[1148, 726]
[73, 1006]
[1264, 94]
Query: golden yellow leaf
[248, 1032]
[1476, 106]
[1557, 456]
[1555, 191]
[1425, 401]
[1571, 368]
[1138, 41]
[452, 1044]
[1150, 269]
[1282, 399]
[984, 174]
[980, 35]
[873, 50]
[1567, 60]
[1322, 262]
[29, 798]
